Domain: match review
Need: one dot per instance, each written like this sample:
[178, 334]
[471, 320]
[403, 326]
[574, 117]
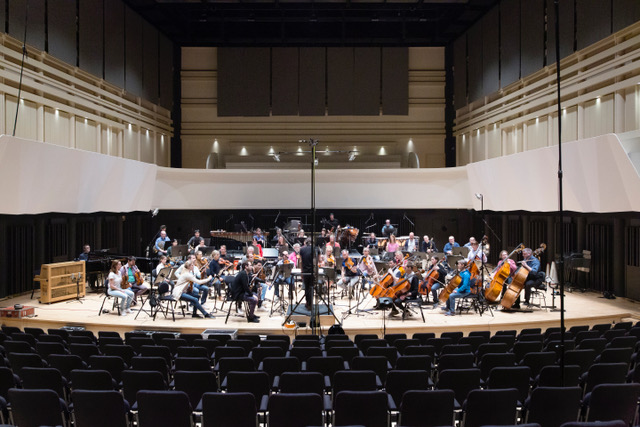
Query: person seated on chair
[410, 293]
[215, 267]
[371, 241]
[448, 247]
[398, 261]
[475, 252]
[115, 288]
[162, 243]
[461, 291]
[348, 276]
[199, 289]
[332, 242]
[428, 245]
[240, 291]
[194, 240]
[182, 289]
[388, 229]
[134, 278]
[411, 245]
[367, 266]
[443, 269]
[535, 278]
[504, 257]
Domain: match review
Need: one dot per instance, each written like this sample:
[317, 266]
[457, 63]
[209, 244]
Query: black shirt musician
[333, 223]
[240, 291]
[306, 258]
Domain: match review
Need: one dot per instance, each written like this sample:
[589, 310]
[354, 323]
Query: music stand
[462, 250]
[281, 273]
[161, 277]
[179, 251]
[453, 259]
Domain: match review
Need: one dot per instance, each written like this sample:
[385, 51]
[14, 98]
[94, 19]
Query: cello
[517, 284]
[492, 292]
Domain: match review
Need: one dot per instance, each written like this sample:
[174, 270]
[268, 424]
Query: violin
[139, 278]
[125, 281]
[349, 264]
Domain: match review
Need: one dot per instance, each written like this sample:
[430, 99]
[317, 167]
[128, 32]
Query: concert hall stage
[581, 308]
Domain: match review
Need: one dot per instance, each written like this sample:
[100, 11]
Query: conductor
[306, 256]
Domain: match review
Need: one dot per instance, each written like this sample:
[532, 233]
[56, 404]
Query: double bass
[494, 289]
[517, 284]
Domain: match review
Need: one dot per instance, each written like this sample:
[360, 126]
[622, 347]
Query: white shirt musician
[181, 289]
[367, 266]
[411, 244]
[475, 253]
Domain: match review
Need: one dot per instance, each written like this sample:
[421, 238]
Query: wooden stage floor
[581, 308]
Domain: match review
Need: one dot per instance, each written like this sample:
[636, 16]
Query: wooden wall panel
[133, 53]
[460, 72]
[593, 21]
[340, 81]
[312, 81]
[474, 51]
[150, 62]
[509, 42]
[395, 81]
[532, 34]
[366, 81]
[35, 21]
[284, 81]
[90, 36]
[114, 71]
[491, 51]
[62, 30]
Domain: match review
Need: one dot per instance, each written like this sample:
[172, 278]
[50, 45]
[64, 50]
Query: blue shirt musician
[461, 291]
[448, 247]
[535, 278]
[162, 244]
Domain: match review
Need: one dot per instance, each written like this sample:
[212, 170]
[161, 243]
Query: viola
[139, 278]
[349, 264]
[125, 281]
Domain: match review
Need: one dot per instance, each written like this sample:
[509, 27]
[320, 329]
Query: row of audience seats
[178, 379]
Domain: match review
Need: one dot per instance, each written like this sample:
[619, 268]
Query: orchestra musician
[134, 279]
[239, 288]
[161, 245]
[371, 241]
[332, 241]
[283, 259]
[428, 245]
[277, 236]
[259, 237]
[164, 262]
[294, 256]
[257, 244]
[84, 256]
[215, 266]
[198, 287]
[223, 253]
[367, 266]
[443, 270]
[333, 222]
[535, 278]
[461, 291]
[388, 229]
[412, 292]
[512, 268]
[411, 245]
[181, 289]
[470, 243]
[194, 240]
[448, 247]
[392, 245]
[282, 245]
[349, 276]
[306, 265]
[475, 252]
[115, 288]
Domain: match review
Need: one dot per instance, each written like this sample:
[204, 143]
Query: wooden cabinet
[61, 281]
